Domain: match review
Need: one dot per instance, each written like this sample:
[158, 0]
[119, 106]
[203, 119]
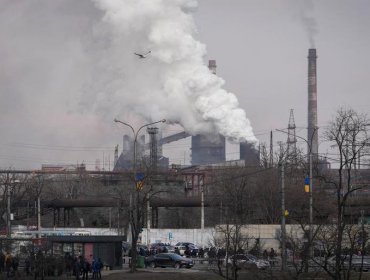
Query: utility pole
[202, 213]
[283, 211]
[311, 207]
[148, 217]
[271, 151]
[38, 213]
[310, 155]
[8, 219]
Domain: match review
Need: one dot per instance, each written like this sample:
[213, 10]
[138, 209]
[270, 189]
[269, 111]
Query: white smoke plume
[56, 54]
[172, 82]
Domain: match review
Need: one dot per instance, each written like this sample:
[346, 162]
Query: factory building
[206, 149]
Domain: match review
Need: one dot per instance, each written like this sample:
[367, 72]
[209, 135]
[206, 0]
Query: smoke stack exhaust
[312, 133]
[206, 149]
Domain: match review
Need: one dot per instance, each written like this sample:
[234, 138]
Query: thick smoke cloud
[69, 66]
[172, 82]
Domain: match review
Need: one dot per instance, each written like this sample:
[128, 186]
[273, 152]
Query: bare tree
[234, 187]
[136, 195]
[349, 137]
[13, 188]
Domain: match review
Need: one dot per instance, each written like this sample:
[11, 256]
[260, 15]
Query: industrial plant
[70, 209]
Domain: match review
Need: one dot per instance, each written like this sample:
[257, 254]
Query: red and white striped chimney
[312, 134]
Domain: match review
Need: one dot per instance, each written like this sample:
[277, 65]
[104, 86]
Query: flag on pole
[307, 184]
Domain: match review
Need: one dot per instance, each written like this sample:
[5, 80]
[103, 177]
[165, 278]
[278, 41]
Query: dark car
[169, 260]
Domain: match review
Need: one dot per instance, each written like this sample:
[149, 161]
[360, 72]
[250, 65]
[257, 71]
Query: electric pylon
[292, 140]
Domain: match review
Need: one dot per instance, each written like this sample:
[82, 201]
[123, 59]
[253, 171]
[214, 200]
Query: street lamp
[309, 145]
[135, 219]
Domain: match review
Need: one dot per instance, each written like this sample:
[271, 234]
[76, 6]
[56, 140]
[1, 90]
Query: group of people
[82, 267]
[38, 266]
[269, 255]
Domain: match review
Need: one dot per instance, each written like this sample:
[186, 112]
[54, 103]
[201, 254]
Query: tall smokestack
[312, 133]
[153, 131]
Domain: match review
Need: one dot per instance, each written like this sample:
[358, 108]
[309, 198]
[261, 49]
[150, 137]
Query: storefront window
[78, 249]
[67, 248]
[57, 249]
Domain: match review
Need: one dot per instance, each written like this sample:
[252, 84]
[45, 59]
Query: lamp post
[283, 226]
[136, 133]
[134, 222]
[309, 145]
[8, 216]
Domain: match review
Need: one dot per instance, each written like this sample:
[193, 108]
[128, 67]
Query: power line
[58, 148]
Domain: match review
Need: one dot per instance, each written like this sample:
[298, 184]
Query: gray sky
[53, 106]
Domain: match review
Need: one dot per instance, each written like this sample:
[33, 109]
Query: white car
[247, 261]
[356, 263]
[181, 247]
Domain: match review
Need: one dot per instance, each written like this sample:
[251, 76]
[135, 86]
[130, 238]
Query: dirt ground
[190, 274]
[162, 275]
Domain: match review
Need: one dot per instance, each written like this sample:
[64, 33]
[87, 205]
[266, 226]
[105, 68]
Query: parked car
[183, 246]
[247, 261]
[180, 250]
[170, 249]
[169, 260]
[356, 263]
[156, 248]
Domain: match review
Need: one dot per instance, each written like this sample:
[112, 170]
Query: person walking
[272, 253]
[39, 265]
[15, 264]
[85, 267]
[27, 265]
[8, 263]
[77, 268]
[265, 254]
[94, 269]
[100, 266]
[2, 262]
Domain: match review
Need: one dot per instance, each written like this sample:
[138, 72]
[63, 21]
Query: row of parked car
[181, 248]
[239, 261]
[178, 256]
